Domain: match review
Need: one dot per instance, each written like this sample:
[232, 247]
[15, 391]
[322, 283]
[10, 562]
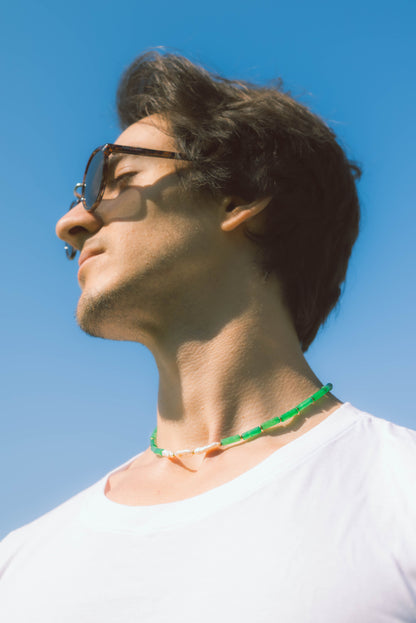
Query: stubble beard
[105, 314]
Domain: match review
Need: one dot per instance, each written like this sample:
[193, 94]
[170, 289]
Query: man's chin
[108, 314]
[98, 314]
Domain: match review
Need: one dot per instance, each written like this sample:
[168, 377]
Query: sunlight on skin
[153, 245]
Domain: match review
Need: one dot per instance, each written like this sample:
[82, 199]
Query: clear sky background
[74, 407]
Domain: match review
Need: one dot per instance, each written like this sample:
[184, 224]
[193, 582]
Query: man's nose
[77, 225]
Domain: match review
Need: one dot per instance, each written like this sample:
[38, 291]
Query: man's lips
[85, 255]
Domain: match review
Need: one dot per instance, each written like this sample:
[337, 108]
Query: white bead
[182, 452]
[216, 444]
[170, 454]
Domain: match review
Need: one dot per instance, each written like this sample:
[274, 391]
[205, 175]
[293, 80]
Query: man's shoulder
[55, 520]
[384, 452]
[382, 436]
[382, 431]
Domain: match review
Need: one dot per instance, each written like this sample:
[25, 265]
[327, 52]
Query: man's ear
[238, 212]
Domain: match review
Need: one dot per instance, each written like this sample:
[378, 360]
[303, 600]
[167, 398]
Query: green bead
[153, 444]
[288, 414]
[228, 440]
[305, 403]
[253, 432]
[270, 423]
[321, 392]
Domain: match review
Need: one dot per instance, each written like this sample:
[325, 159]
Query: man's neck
[250, 371]
[246, 372]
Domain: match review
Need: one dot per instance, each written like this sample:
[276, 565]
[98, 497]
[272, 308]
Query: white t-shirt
[322, 531]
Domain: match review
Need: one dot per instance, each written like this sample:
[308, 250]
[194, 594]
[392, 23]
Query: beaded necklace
[249, 435]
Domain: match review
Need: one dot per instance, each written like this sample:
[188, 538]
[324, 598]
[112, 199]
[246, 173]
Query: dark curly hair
[254, 141]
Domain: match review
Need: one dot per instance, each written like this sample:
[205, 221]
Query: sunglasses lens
[70, 251]
[93, 179]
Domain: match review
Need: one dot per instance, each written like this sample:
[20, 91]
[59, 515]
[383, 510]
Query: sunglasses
[101, 162]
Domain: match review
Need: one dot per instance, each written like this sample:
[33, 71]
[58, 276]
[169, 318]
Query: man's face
[147, 248]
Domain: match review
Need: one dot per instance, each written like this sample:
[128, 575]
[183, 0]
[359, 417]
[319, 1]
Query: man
[217, 232]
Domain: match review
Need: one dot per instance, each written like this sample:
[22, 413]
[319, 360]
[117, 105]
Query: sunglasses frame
[111, 148]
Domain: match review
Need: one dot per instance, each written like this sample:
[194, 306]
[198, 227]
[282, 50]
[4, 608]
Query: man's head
[246, 145]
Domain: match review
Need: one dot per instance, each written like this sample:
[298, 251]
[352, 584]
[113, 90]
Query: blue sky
[73, 407]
